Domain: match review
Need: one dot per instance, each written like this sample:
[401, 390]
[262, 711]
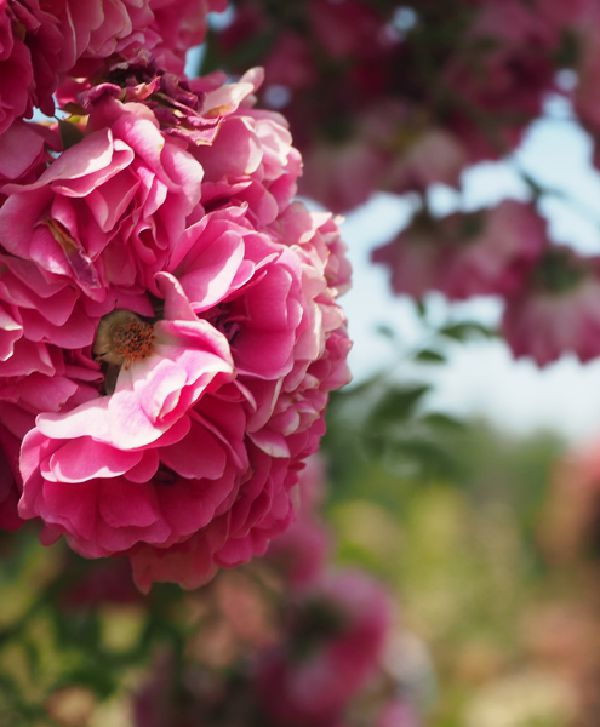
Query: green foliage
[465, 330]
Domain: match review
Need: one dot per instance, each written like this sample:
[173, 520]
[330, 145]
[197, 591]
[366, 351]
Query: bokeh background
[465, 481]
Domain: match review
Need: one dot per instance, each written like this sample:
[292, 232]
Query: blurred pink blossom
[398, 713]
[333, 645]
[557, 312]
[488, 252]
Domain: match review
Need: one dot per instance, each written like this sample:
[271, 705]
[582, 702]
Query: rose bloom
[22, 152]
[158, 272]
[30, 46]
[501, 72]
[557, 311]
[342, 176]
[101, 29]
[464, 254]
[390, 150]
[43, 43]
[332, 646]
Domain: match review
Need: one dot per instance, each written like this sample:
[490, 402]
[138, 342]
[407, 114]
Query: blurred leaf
[385, 330]
[397, 403]
[82, 628]
[467, 329]
[365, 391]
[429, 455]
[440, 419]
[430, 355]
[97, 676]
[32, 655]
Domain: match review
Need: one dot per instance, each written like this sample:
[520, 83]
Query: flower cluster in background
[405, 97]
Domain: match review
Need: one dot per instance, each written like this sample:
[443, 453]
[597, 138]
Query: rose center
[124, 338]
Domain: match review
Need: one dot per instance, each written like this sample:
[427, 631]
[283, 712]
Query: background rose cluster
[405, 98]
[170, 326]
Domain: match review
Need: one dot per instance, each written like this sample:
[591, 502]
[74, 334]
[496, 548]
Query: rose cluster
[400, 97]
[170, 325]
[550, 294]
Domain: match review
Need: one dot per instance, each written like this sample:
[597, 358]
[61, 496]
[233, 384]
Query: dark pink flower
[180, 24]
[346, 28]
[585, 96]
[334, 639]
[109, 209]
[30, 45]
[98, 30]
[290, 63]
[342, 176]
[501, 74]
[488, 252]
[557, 311]
[22, 153]
[286, 391]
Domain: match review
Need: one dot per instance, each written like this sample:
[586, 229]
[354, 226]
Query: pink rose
[488, 252]
[557, 311]
[114, 443]
[108, 210]
[180, 24]
[333, 644]
[506, 62]
[286, 390]
[127, 29]
[342, 176]
[22, 153]
[30, 44]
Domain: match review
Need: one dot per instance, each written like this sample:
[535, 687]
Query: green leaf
[397, 403]
[385, 330]
[442, 420]
[429, 355]
[428, 456]
[97, 677]
[467, 329]
[421, 308]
